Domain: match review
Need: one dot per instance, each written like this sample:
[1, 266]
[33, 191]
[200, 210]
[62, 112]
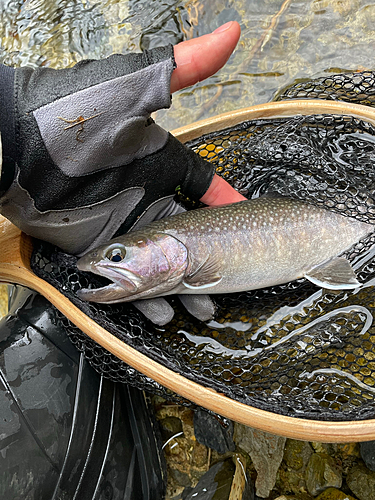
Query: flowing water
[282, 41]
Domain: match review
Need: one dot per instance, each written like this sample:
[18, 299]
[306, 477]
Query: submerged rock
[291, 475]
[361, 481]
[187, 460]
[367, 450]
[297, 454]
[169, 427]
[266, 452]
[322, 473]
[334, 494]
[347, 454]
[223, 481]
[180, 477]
[213, 431]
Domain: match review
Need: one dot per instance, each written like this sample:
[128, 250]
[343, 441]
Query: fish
[237, 247]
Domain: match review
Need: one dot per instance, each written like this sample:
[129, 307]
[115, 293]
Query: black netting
[293, 349]
[323, 159]
[357, 87]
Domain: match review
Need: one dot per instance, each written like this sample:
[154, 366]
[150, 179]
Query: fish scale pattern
[293, 349]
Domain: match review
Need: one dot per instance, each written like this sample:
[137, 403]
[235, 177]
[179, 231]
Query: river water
[282, 41]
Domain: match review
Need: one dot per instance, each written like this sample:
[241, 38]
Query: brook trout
[230, 248]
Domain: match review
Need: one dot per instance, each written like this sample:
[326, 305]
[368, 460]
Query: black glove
[82, 159]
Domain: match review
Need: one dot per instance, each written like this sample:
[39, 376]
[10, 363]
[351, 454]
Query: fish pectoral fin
[337, 274]
[205, 276]
[200, 285]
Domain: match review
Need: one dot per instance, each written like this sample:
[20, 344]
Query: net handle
[281, 109]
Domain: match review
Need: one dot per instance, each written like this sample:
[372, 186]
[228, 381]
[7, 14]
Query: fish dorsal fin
[206, 275]
[337, 274]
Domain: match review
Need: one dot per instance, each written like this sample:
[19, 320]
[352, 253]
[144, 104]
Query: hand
[83, 161]
[196, 60]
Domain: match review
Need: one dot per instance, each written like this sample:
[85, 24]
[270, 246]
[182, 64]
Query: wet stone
[266, 452]
[347, 450]
[169, 427]
[213, 431]
[361, 482]
[334, 494]
[321, 447]
[367, 450]
[182, 478]
[216, 484]
[322, 473]
[297, 454]
[347, 454]
[187, 460]
[291, 474]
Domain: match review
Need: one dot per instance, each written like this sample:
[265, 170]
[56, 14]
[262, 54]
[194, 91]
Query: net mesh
[358, 87]
[293, 349]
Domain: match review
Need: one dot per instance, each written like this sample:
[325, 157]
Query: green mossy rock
[322, 473]
[334, 494]
[361, 481]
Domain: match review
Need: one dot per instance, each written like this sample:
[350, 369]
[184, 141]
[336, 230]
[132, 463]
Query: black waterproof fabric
[7, 126]
[66, 431]
[292, 349]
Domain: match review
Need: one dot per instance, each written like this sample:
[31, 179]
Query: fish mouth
[126, 279]
[122, 283]
[106, 294]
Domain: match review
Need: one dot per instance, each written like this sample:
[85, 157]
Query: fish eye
[115, 253]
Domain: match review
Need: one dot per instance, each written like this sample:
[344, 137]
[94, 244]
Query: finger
[220, 192]
[199, 306]
[156, 310]
[201, 57]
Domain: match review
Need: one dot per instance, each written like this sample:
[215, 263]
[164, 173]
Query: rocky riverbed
[3, 300]
[213, 458]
